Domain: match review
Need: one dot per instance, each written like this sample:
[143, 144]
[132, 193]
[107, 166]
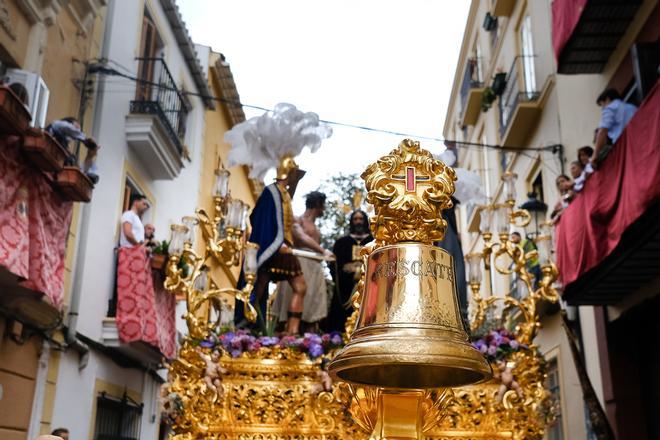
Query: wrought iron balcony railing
[520, 87]
[472, 78]
[157, 94]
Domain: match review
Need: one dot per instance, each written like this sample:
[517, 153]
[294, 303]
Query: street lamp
[537, 209]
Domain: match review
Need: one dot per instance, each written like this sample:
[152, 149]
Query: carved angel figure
[507, 380]
[324, 378]
[213, 373]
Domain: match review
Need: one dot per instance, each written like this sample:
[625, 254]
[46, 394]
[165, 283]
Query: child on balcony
[565, 188]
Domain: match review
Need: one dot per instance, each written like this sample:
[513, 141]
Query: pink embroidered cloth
[145, 310]
[34, 224]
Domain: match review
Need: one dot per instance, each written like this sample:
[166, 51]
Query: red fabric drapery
[34, 224]
[617, 194]
[565, 17]
[145, 311]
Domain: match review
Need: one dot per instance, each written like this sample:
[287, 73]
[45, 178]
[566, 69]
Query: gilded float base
[279, 396]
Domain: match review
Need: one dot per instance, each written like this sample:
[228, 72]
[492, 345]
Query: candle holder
[190, 272]
[510, 259]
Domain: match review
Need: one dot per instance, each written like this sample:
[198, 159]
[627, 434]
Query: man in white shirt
[132, 229]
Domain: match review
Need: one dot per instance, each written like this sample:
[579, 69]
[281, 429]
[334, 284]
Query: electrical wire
[105, 70]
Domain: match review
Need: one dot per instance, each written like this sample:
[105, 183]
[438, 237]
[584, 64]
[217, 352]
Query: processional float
[408, 369]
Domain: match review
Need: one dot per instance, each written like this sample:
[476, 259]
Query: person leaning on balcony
[132, 229]
[67, 129]
[615, 115]
[565, 188]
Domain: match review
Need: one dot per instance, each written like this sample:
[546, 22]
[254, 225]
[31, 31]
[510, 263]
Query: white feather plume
[469, 188]
[262, 141]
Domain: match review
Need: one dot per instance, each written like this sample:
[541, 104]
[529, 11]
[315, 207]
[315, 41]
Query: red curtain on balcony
[145, 311]
[565, 17]
[34, 224]
[625, 185]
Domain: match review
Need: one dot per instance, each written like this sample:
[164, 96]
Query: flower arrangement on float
[243, 343]
[498, 344]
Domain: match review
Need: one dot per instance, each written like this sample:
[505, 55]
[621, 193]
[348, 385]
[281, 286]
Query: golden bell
[409, 332]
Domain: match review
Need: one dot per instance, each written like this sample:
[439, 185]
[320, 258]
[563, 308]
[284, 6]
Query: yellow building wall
[217, 123]
[61, 50]
[14, 34]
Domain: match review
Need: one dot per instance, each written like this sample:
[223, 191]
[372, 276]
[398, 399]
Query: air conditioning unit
[37, 93]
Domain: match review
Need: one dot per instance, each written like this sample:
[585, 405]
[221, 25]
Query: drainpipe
[72, 324]
[83, 234]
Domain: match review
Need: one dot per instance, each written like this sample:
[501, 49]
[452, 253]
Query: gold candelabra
[224, 243]
[498, 218]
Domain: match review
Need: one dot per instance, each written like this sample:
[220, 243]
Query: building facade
[524, 101]
[43, 47]
[158, 106]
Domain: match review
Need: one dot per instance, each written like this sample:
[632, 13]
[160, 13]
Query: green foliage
[487, 99]
[343, 192]
[162, 248]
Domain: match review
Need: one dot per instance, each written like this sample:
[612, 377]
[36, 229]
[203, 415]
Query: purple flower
[492, 350]
[235, 353]
[206, 343]
[268, 341]
[313, 338]
[336, 339]
[514, 344]
[480, 345]
[315, 350]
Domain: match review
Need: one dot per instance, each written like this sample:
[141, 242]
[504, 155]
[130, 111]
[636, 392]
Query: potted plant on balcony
[499, 83]
[490, 22]
[14, 116]
[487, 99]
[44, 151]
[74, 185]
[159, 255]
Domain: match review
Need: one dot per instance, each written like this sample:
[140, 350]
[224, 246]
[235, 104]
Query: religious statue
[307, 237]
[213, 373]
[272, 140]
[507, 381]
[347, 271]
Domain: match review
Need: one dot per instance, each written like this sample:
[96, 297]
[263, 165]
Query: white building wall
[570, 108]
[171, 199]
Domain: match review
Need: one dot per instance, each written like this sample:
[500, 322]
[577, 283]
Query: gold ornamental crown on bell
[409, 332]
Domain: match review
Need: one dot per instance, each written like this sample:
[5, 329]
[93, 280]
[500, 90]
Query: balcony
[35, 214]
[472, 91]
[503, 8]
[521, 104]
[608, 239]
[156, 125]
[586, 32]
[141, 321]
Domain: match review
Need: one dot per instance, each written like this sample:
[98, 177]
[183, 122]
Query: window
[527, 55]
[537, 187]
[485, 177]
[554, 430]
[130, 188]
[117, 419]
[151, 47]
